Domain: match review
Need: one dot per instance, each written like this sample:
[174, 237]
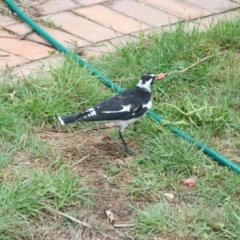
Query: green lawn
[39, 175]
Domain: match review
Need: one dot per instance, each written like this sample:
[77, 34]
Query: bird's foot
[129, 152]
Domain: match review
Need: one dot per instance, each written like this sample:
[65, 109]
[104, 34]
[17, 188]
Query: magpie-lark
[122, 109]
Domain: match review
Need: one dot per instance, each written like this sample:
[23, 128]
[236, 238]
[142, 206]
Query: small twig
[111, 220]
[118, 232]
[193, 65]
[74, 219]
[108, 142]
[56, 130]
[196, 63]
[124, 225]
[71, 218]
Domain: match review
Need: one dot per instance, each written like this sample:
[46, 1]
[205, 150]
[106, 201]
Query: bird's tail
[68, 118]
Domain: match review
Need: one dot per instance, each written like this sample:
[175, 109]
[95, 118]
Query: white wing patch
[61, 121]
[124, 109]
[92, 112]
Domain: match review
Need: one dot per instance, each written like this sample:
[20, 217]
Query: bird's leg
[126, 149]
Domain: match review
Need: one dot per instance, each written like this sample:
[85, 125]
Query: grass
[33, 192]
[50, 23]
[191, 222]
[203, 101]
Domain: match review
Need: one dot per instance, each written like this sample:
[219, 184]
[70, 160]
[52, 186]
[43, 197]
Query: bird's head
[148, 79]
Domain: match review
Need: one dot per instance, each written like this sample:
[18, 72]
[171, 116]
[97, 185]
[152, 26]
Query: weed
[50, 23]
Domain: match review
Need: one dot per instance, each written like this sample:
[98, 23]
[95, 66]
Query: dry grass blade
[33, 84]
[194, 64]
[111, 220]
[124, 225]
[84, 224]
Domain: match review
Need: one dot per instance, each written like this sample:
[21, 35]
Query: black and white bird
[122, 109]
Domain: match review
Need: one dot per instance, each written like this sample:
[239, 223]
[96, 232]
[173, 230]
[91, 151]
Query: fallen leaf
[110, 216]
[169, 195]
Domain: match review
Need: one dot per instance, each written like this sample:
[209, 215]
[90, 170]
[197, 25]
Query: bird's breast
[148, 105]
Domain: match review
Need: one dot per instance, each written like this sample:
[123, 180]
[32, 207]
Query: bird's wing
[126, 105]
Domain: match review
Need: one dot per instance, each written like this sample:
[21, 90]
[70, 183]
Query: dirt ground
[89, 153]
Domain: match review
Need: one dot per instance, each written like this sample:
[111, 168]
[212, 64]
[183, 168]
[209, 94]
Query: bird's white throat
[146, 84]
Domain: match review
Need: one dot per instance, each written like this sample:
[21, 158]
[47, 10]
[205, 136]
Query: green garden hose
[107, 82]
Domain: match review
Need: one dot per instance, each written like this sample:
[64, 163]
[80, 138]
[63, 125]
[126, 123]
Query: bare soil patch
[90, 154]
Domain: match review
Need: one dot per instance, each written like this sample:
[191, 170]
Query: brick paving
[181, 9]
[111, 19]
[214, 5]
[144, 14]
[96, 26]
[82, 27]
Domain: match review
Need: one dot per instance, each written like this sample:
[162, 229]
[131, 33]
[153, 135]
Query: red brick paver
[10, 60]
[107, 46]
[36, 66]
[64, 38]
[178, 8]
[6, 21]
[90, 2]
[55, 6]
[19, 28]
[208, 21]
[27, 49]
[215, 6]
[111, 19]
[82, 27]
[67, 39]
[143, 13]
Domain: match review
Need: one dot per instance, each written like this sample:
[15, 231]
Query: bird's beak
[160, 76]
